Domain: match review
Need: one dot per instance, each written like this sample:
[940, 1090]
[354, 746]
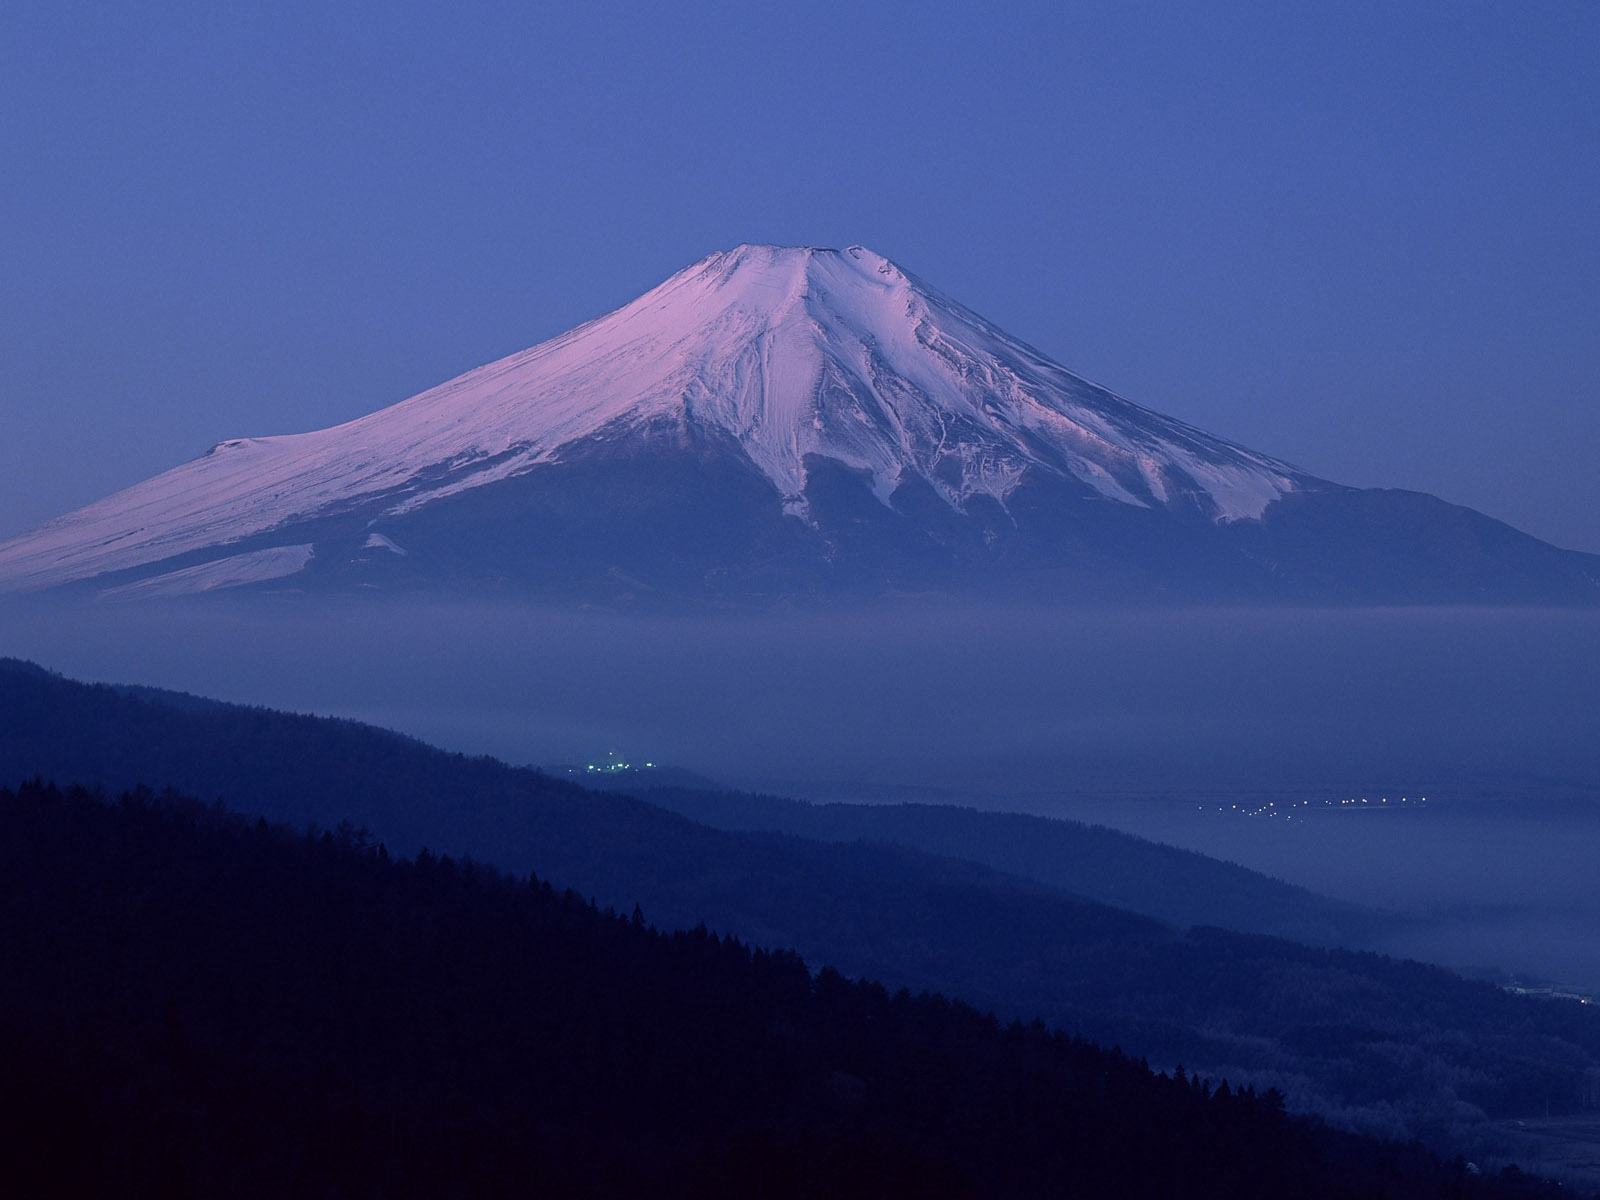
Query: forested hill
[198, 1005]
[1374, 1042]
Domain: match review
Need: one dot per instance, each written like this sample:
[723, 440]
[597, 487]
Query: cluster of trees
[198, 1004]
[1374, 1042]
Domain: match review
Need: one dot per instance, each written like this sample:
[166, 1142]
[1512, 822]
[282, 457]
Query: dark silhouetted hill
[197, 1005]
[1372, 1041]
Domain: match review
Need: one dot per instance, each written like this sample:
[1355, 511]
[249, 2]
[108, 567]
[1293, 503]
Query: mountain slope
[1378, 1042]
[195, 1005]
[779, 421]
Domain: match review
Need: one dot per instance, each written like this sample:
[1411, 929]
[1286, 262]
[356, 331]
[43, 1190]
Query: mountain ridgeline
[1178, 886]
[780, 425]
[1371, 1042]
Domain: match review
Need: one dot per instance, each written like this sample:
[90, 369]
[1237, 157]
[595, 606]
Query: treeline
[195, 1004]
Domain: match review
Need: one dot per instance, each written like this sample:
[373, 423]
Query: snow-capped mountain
[768, 419]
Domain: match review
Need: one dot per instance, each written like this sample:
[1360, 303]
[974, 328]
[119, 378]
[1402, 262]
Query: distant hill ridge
[1178, 886]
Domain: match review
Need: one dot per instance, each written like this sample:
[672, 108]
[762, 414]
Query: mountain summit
[772, 421]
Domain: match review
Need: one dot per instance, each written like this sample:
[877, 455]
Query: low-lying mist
[1158, 722]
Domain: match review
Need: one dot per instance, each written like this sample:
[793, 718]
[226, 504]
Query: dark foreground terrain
[1370, 1042]
[197, 1004]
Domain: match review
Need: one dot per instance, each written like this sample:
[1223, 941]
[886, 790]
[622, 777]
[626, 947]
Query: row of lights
[1271, 808]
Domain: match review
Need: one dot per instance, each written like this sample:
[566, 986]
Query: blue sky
[1359, 237]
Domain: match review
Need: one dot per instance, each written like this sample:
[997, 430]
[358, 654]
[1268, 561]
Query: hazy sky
[1361, 237]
